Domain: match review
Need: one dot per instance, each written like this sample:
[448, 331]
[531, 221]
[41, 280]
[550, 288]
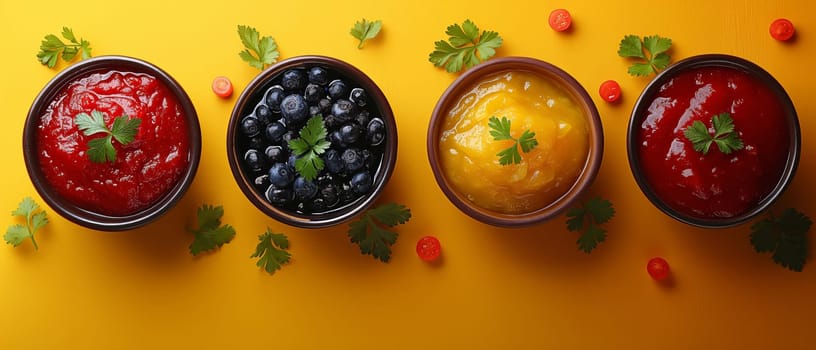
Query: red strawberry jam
[144, 170]
[715, 185]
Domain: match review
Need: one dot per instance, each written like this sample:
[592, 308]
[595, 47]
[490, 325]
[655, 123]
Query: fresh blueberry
[275, 154]
[250, 126]
[278, 195]
[253, 160]
[352, 160]
[304, 190]
[350, 133]
[333, 161]
[294, 109]
[293, 80]
[274, 132]
[376, 131]
[281, 174]
[361, 182]
[344, 110]
[274, 97]
[325, 105]
[262, 181]
[358, 96]
[363, 118]
[288, 136]
[330, 122]
[291, 161]
[318, 75]
[314, 110]
[263, 113]
[337, 89]
[313, 93]
[336, 139]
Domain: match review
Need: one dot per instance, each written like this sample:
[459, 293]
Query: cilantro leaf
[51, 48]
[374, 239]
[500, 130]
[101, 150]
[264, 48]
[785, 237]
[35, 219]
[271, 251]
[465, 47]
[308, 148]
[654, 59]
[365, 30]
[587, 218]
[210, 234]
[725, 137]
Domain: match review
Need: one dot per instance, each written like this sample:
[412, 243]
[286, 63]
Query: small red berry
[782, 29]
[560, 20]
[428, 248]
[658, 268]
[610, 91]
[222, 87]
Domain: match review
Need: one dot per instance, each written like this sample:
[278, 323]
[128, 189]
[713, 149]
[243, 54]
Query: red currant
[782, 29]
[658, 268]
[428, 248]
[610, 91]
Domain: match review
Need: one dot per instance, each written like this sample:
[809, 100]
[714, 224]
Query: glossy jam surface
[468, 153]
[144, 170]
[715, 185]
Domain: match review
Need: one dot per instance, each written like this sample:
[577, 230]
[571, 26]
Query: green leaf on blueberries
[784, 236]
[264, 48]
[101, 150]
[656, 60]
[465, 47]
[500, 130]
[34, 221]
[364, 30]
[210, 234]
[369, 234]
[271, 251]
[308, 148]
[588, 218]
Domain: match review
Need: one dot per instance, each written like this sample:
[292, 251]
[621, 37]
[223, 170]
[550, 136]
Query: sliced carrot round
[560, 20]
[610, 91]
[782, 29]
[222, 87]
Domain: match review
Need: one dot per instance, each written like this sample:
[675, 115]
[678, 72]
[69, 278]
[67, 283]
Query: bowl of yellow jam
[515, 141]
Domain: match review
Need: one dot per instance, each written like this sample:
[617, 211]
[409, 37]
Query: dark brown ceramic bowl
[252, 96]
[545, 70]
[70, 210]
[639, 112]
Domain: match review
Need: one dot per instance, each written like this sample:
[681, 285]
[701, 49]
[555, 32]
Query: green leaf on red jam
[101, 150]
[725, 137]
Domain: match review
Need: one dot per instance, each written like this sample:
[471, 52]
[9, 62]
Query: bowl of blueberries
[312, 141]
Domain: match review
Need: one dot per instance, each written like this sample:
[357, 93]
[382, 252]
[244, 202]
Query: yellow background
[494, 288]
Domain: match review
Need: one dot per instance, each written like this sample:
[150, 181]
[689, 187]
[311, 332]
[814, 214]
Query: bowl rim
[579, 95]
[723, 61]
[382, 176]
[71, 211]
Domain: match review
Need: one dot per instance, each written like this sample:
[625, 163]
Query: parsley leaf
[34, 220]
[725, 137]
[271, 251]
[364, 30]
[587, 218]
[500, 130]
[52, 48]
[784, 236]
[265, 48]
[210, 233]
[465, 47]
[101, 150]
[308, 148]
[657, 59]
[369, 234]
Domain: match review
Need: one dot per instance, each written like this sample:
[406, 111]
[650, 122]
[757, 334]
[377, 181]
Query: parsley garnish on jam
[101, 149]
[587, 218]
[785, 236]
[725, 137]
[308, 148]
[500, 130]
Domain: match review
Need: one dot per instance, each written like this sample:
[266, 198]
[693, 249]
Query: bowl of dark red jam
[148, 175]
[358, 155]
[720, 188]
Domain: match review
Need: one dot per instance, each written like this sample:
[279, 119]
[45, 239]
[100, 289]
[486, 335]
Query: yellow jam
[468, 153]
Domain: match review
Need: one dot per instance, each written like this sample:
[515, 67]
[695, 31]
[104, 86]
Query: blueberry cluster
[356, 135]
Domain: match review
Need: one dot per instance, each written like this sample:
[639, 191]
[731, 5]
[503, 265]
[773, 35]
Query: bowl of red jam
[140, 178]
[528, 97]
[312, 141]
[748, 123]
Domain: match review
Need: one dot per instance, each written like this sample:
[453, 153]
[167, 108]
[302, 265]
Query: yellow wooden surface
[494, 288]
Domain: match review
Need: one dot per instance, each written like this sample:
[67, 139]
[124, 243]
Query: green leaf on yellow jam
[500, 130]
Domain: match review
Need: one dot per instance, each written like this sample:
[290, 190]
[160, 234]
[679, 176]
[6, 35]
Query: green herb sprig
[725, 137]
[271, 251]
[264, 48]
[52, 48]
[500, 130]
[309, 146]
[465, 47]
[365, 30]
[587, 218]
[654, 59]
[35, 219]
[785, 236]
[101, 149]
[369, 232]
[210, 234]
